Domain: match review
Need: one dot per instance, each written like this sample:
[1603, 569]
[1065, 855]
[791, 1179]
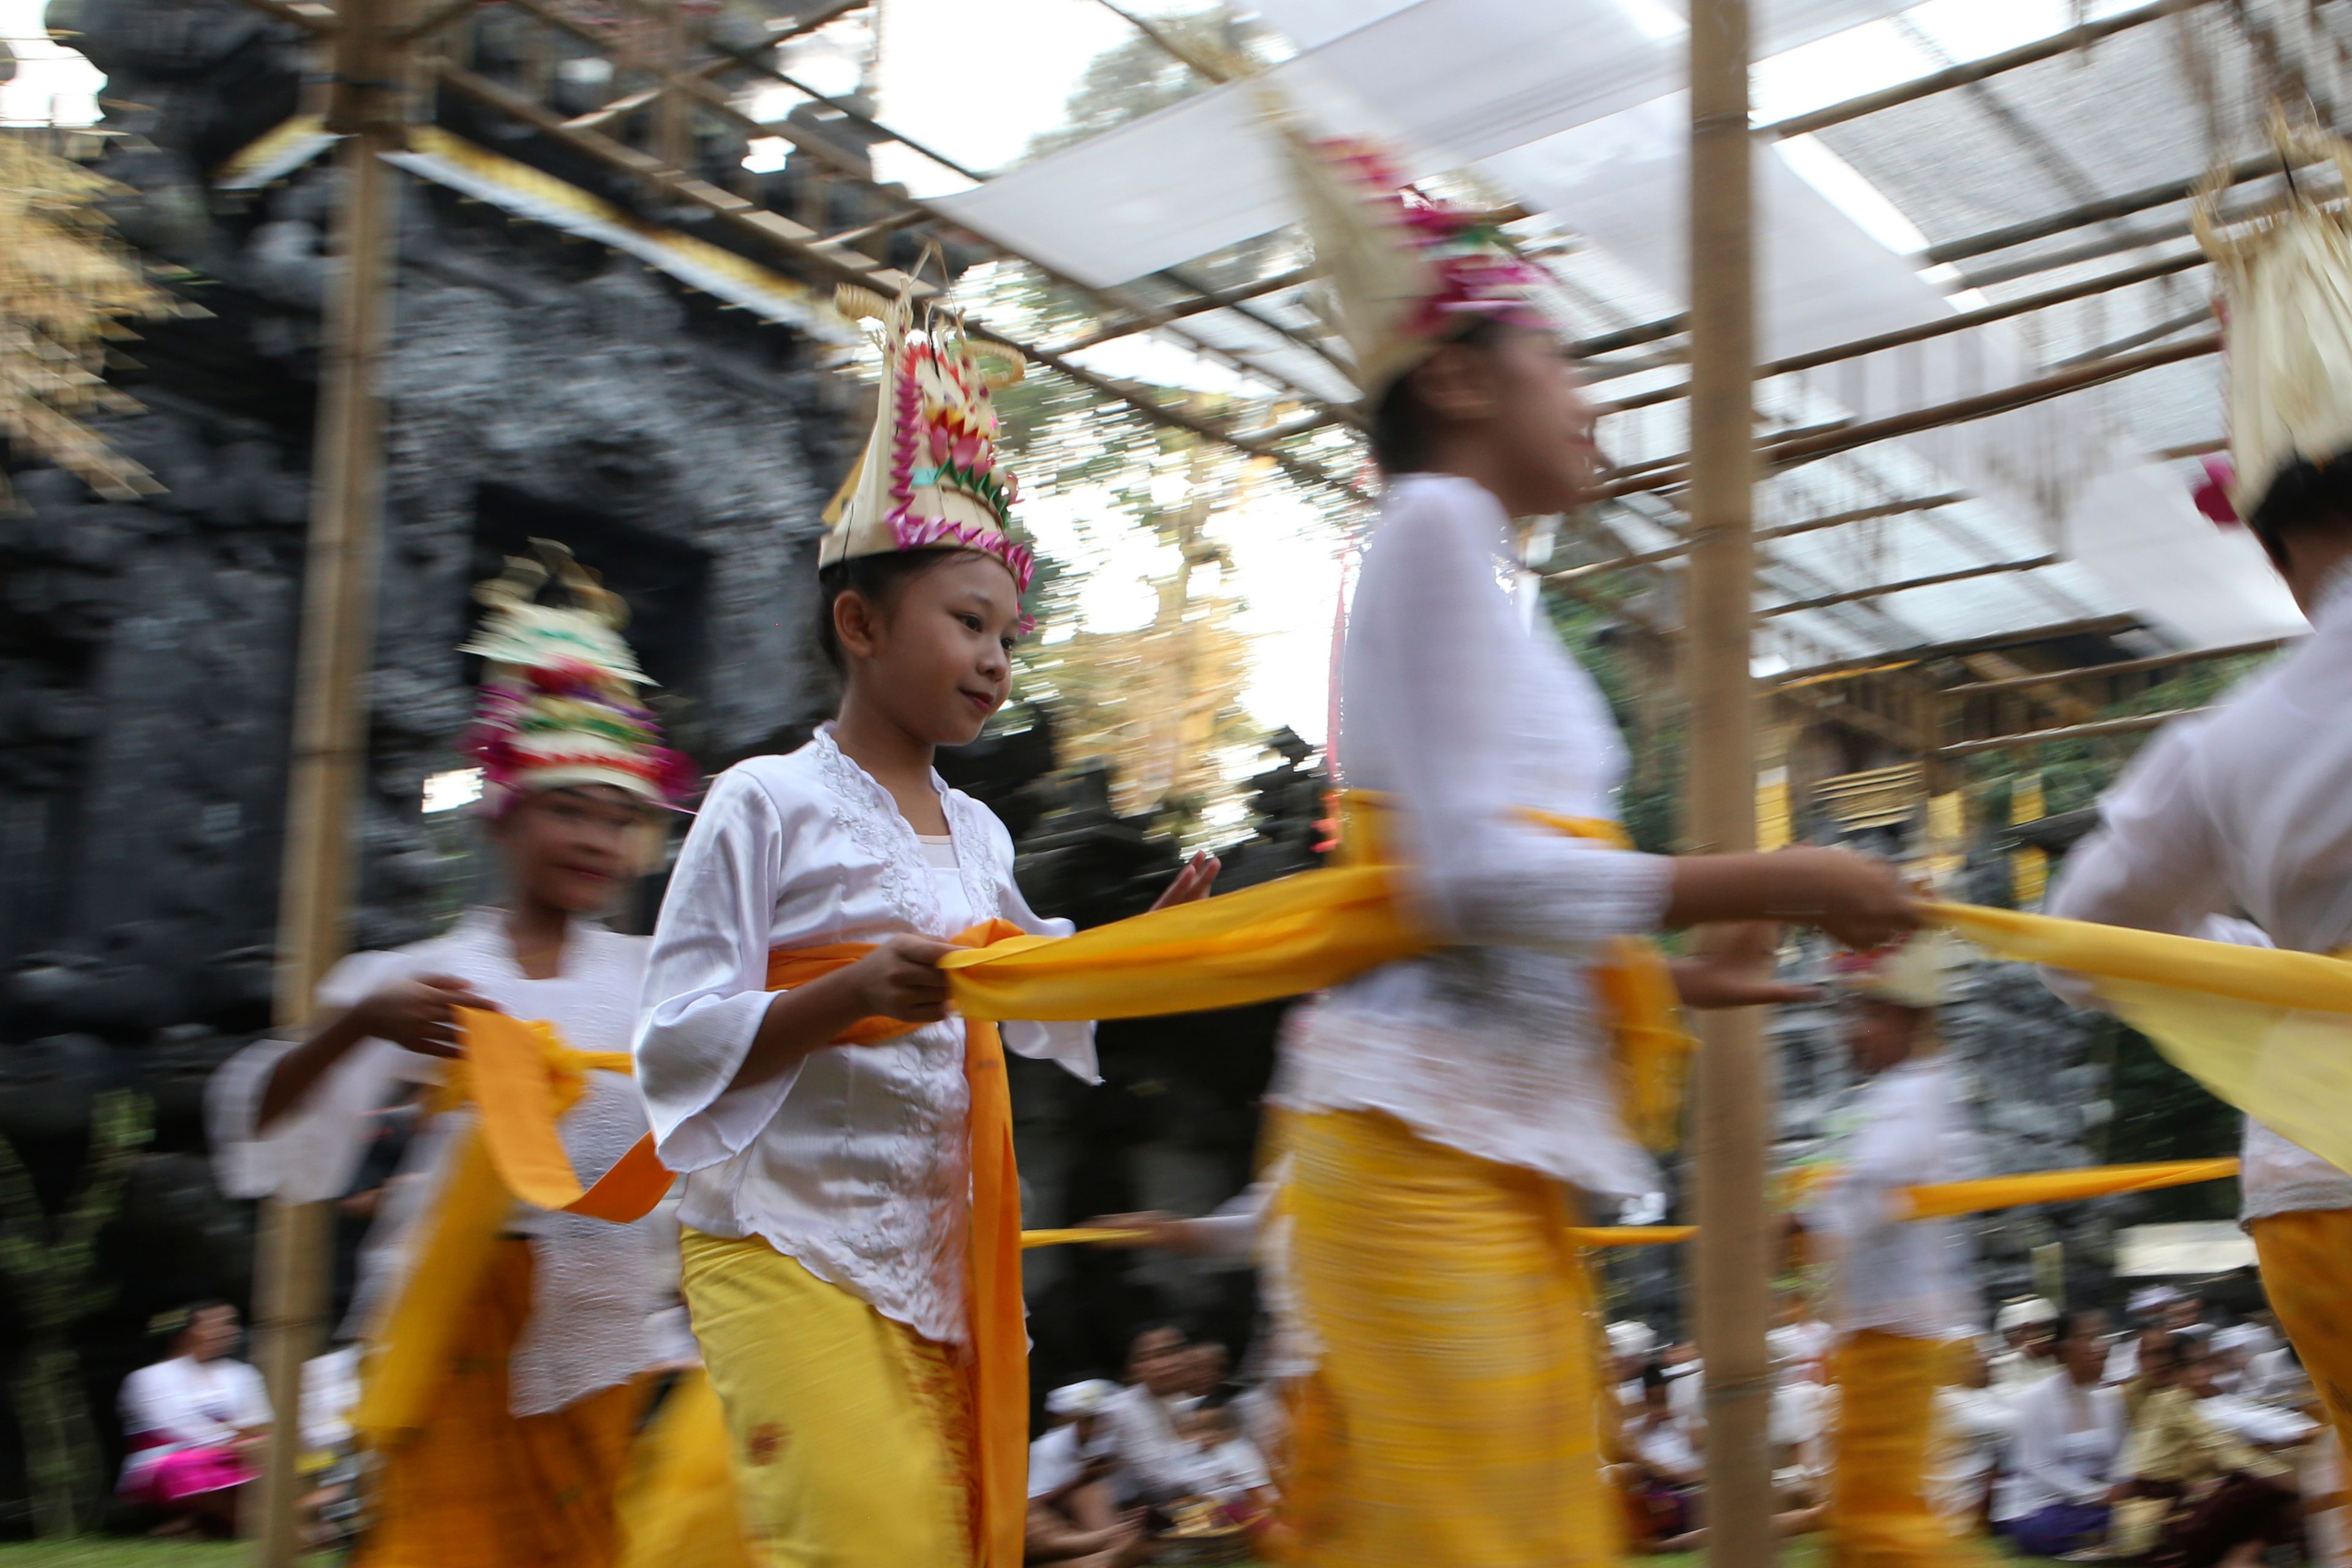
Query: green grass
[109, 1552]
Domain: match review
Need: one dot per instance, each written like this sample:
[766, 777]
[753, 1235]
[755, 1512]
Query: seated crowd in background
[1127, 1467]
[2173, 1441]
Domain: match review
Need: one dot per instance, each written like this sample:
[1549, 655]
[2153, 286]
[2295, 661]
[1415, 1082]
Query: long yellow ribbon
[1933, 1201]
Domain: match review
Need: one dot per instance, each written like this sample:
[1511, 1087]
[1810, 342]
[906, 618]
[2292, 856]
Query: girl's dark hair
[2306, 493]
[876, 579]
[1400, 420]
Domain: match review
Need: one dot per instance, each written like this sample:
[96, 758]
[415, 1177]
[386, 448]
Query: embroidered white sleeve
[706, 982]
[312, 1152]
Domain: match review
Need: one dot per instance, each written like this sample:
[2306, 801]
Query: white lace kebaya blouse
[855, 1163]
[1462, 712]
[597, 1290]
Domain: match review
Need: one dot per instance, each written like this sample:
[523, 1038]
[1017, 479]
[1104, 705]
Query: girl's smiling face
[936, 653]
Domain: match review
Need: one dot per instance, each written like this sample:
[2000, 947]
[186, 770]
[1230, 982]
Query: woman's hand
[1860, 901]
[1193, 882]
[1732, 966]
[901, 979]
[418, 1014]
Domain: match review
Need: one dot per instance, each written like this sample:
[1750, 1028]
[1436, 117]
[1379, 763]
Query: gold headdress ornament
[1401, 272]
[928, 477]
[559, 701]
[2286, 305]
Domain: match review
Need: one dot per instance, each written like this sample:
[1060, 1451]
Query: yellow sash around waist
[523, 1078]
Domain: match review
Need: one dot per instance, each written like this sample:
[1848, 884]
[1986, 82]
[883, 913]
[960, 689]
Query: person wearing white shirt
[2024, 1357]
[2245, 810]
[1156, 1464]
[1974, 1424]
[1899, 1284]
[513, 1452]
[851, 1213]
[194, 1424]
[1448, 1114]
[1072, 1519]
[2071, 1432]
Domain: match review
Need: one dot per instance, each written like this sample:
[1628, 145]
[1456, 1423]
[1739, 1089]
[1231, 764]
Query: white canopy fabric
[1572, 107]
[1447, 82]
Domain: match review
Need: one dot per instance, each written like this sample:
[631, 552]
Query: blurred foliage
[1135, 77]
[2162, 1113]
[1649, 803]
[2075, 774]
[49, 1265]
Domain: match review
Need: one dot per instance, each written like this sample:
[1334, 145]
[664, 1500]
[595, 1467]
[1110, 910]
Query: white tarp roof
[1572, 108]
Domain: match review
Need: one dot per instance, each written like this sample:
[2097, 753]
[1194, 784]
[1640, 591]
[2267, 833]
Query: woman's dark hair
[1400, 420]
[2306, 494]
[876, 579]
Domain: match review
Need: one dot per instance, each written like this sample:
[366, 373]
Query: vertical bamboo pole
[330, 747]
[1734, 1111]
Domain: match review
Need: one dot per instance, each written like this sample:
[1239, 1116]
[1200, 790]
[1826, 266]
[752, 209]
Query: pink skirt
[185, 1473]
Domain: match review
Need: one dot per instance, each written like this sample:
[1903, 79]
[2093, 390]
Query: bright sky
[977, 81]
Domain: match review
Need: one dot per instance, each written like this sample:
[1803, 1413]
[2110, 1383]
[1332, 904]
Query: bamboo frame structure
[330, 749]
[2094, 731]
[1932, 580]
[1733, 1115]
[2042, 679]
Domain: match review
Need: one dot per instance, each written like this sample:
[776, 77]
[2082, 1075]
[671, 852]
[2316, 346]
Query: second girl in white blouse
[828, 1203]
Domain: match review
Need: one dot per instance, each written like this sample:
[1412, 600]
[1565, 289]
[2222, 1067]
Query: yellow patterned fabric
[1455, 1416]
[1879, 1513]
[678, 1506]
[2307, 1261]
[850, 1435]
[2268, 1030]
[478, 1487]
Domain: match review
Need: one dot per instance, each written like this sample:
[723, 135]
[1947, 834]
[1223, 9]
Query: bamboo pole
[1734, 1109]
[1934, 579]
[2078, 37]
[329, 748]
[1800, 446]
[2091, 732]
[2041, 678]
[1863, 664]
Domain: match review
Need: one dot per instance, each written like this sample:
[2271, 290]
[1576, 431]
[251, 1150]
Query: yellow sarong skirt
[2307, 1262]
[850, 1435]
[477, 1486]
[677, 1505]
[1879, 1515]
[1454, 1417]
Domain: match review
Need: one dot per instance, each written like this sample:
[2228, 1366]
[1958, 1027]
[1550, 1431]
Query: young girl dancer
[1446, 1115]
[822, 1103]
[516, 1448]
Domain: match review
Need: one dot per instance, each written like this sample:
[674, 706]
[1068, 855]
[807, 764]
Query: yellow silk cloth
[523, 1078]
[850, 1435]
[2060, 1186]
[998, 1316]
[678, 1504]
[1879, 1513]
[2307, 1261]
[2267, 1030]
[1457, 1417]
[1926, 1202]
[480, 1487]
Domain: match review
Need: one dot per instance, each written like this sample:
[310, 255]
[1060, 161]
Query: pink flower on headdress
[967, 449]
[2212, 493]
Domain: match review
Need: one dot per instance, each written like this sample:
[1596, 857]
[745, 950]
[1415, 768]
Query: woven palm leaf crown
[559, 698]
[929, 477]
[2285, 277]
[1401, 272]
